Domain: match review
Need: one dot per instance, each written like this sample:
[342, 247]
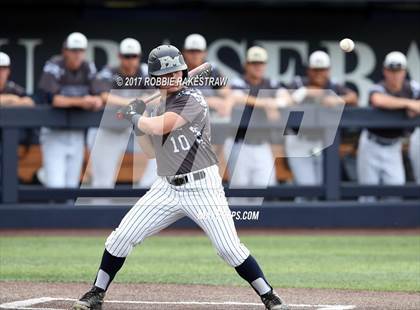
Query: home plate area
[51, 303]
[60, 296]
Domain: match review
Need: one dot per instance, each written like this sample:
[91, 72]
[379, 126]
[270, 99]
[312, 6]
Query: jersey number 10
[183, 143]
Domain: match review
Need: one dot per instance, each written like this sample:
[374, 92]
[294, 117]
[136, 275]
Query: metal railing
[14, 119]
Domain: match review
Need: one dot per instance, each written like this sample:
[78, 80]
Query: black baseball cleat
[92, 300]
[272, 301]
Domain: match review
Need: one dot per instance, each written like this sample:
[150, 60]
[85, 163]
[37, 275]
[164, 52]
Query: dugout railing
[12, 120]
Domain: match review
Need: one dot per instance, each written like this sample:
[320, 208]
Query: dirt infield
[169, 296]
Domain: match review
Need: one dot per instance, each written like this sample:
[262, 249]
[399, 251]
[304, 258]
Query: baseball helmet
[166, 59]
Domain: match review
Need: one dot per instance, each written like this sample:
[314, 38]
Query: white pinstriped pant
[203, 201]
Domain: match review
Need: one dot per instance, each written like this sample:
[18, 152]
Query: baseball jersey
[56, 79]
[112, 78]
[13, 89]
[339, 89]
[187, 148]
[267, 88]
[409, 90]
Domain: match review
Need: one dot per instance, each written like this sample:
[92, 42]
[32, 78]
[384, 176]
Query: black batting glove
[139, 106]
[132, 112]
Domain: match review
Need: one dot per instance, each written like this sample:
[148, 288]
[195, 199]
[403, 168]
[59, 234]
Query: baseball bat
[202, 70]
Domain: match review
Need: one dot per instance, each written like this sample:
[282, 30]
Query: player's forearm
[159, 125]
[60, 101]
[214, 102]
[151, 125]
[249, 100]
[389, 102]
[115, 99]
[8, 99]
[350, 98]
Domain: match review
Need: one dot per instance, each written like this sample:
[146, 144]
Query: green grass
[389, 263]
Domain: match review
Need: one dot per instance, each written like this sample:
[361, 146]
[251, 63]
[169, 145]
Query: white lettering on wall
[108, 46]
[238, 48]
[413, 61]
[274, 49]
[29, 45]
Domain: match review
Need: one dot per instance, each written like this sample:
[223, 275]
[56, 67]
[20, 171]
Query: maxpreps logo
[169, 62]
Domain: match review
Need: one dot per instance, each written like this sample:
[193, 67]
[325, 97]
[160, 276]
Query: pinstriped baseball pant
[203, 201]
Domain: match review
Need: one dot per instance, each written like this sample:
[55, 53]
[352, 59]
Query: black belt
[181, 180]
[382, 140]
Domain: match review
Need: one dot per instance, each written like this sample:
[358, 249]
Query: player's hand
[130, 113]
[270, 103]
[330, 101]
[413, 107]
[139, 106]
[273, 114]
[27, 101]
[411, 114]
[222, 106]
[127, 112]
[97, 103]
[88, 102]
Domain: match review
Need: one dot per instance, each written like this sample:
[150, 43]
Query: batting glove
[132, 112]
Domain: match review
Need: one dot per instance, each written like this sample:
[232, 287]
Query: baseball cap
[76, 40]
[319, 60]
[195, 41]
[395, 61]
[130, 46]
[4, 60]
[256, 54]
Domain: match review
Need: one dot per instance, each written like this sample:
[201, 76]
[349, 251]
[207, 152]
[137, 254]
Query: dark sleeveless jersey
[111, 78]
[56, 79]
[13, 89]
[410, 90]
[249, 114]
[187, 148]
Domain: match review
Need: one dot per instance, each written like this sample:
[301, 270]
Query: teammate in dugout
[248, 150]
[195, 54]
[66, 81]
[304, 150]
[109, 144]
[177, 133]
[11, 94]
[379, 157]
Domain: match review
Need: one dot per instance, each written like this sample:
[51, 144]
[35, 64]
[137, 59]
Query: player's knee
[234, 255]
[119, 244]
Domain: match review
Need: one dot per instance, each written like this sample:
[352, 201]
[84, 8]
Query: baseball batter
[177, 133]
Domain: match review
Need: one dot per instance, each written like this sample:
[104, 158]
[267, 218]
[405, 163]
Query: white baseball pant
[305, 165]
[250, 165]
[62, 156]
[107, 149]
[378, 163]
[203, 201]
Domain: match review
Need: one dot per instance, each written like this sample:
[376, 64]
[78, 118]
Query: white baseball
[347, 45]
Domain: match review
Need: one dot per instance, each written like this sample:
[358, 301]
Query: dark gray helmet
[166, 59]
